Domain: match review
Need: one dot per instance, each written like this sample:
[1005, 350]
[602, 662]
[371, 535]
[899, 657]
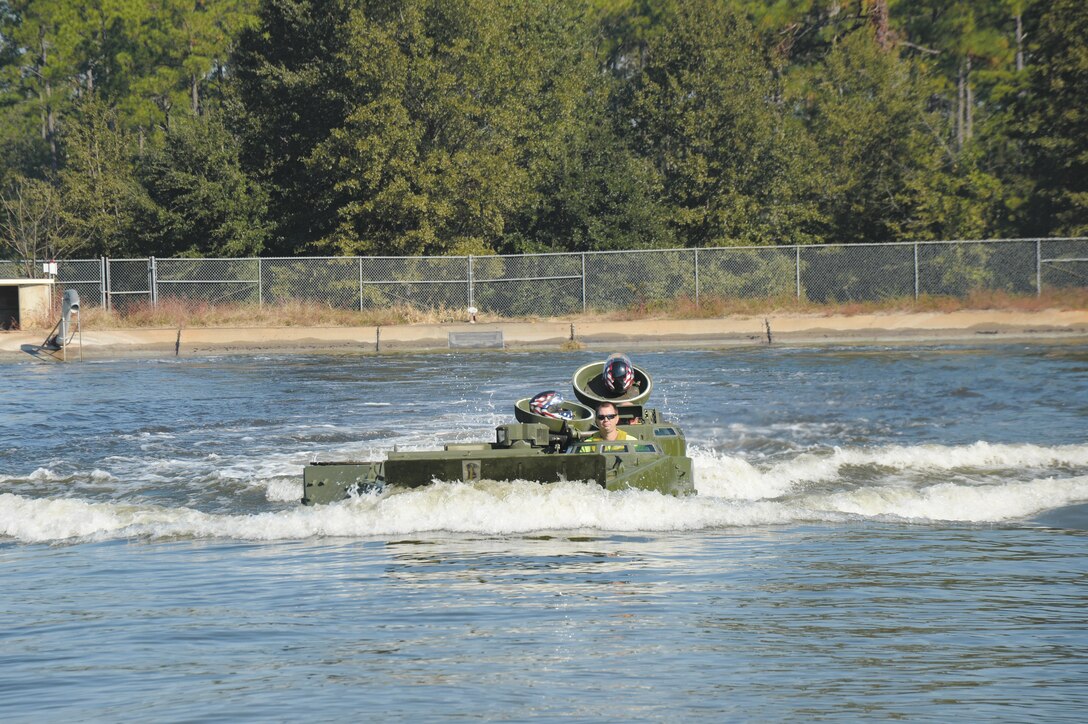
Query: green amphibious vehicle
[546, 444]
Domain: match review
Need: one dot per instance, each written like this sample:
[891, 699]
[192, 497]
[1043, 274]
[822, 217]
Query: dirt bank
[785, 329]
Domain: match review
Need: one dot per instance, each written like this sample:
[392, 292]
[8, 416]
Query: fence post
[106, 276]
[360, 284]
[102, 283]
[797, 266]
[583, 282]
[152, 281]
[1038, 267]
[260, 283]
[696, 277]
[916, 286]
[470, 281]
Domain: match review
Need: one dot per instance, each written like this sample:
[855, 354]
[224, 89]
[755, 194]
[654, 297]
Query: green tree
[1053, 122]
[41, 40]
[889, 171]
[142, 58]
[418, 126]
[292, 91]
[626, 29]
[32, 225]
[801, 32]
[972, 45]
[103, 198]
[708, 113]
[183, 48]
[598, 196]
[427, 161]
[587, 187]
[201, 202]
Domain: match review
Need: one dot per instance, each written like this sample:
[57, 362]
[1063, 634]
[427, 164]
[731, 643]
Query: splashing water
[978, 483]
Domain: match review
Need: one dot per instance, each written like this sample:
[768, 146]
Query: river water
[879, 532]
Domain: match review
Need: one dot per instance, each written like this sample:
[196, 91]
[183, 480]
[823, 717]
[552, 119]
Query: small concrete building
[25, 301]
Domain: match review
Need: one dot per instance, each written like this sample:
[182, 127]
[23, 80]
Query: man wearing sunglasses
[608, 420]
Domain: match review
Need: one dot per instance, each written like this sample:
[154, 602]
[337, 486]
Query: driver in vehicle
[608, 420]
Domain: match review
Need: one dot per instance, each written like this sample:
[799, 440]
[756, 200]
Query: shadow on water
[1072, 517]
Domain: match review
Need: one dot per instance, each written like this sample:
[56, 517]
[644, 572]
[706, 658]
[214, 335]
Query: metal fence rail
[565, 283]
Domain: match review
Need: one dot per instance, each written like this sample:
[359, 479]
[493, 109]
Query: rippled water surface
[879, 532]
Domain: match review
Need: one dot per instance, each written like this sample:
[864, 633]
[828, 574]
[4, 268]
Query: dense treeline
[283, 127]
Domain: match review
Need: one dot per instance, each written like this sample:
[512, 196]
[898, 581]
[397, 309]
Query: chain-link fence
[566, 283]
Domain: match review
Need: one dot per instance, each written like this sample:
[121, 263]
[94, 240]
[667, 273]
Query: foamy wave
[724, 476]
[955, 502]
[729, 477]
[521, 507]
[977, 483]
[980, 455]
[483, 508]
[283, 490]
[48, 475]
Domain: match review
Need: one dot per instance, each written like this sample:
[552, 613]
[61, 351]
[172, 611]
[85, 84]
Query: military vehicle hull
[536, 448]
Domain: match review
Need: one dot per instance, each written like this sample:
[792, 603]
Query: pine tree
[1053, 121]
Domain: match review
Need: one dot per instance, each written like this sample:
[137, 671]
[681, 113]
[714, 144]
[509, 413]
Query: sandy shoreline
[785, 329]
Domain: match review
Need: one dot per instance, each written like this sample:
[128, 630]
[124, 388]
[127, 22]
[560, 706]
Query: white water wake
[730, 477]
[978, 483]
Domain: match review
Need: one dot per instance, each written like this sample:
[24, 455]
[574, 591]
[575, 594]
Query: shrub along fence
[565, 283]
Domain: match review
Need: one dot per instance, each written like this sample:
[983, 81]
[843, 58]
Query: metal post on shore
[583, 282]
[916, 270]
[152, 281]
[696, 277]
[470, 281]
[1038, 267]
[797, 268]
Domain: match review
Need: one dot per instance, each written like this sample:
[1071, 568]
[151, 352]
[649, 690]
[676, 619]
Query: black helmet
[549, 404]
[618, 373]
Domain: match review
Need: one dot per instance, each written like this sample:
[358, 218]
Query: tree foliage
[889, 170]
[103, 198]
[240, 127]
[32, 224]
[202, 202]
[1053, 122]
[709, 114]
[292, 92]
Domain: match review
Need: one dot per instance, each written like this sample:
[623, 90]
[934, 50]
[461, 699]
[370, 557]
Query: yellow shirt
[621, 435]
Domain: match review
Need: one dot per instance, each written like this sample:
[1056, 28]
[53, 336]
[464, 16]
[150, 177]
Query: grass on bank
[176, 314]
